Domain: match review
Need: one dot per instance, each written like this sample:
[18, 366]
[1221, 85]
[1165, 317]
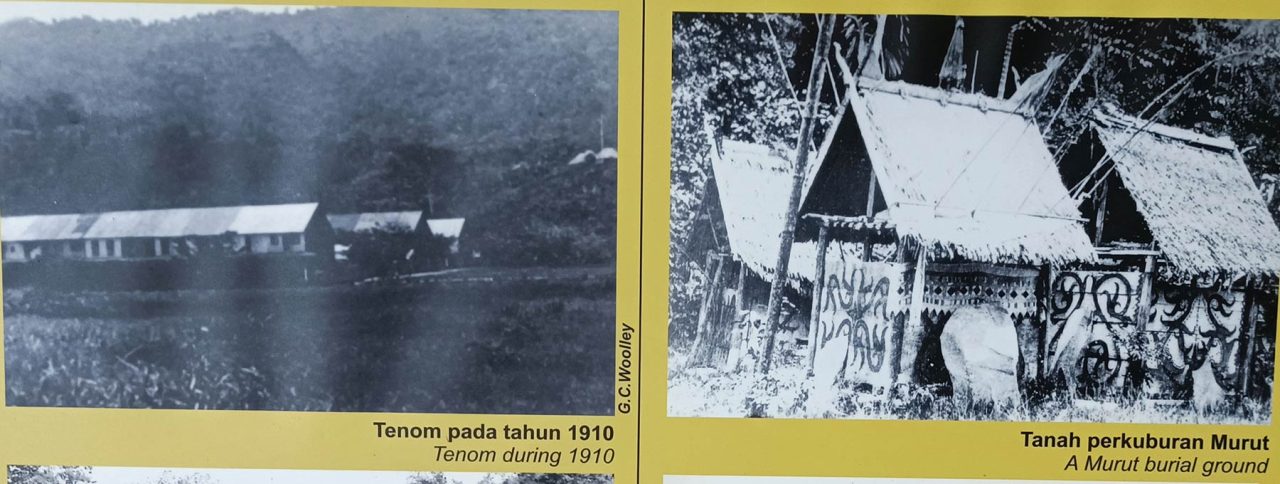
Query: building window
[292, 240]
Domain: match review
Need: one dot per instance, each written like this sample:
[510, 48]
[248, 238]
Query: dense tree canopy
[740, 76]
[50, 475]
[360, 109]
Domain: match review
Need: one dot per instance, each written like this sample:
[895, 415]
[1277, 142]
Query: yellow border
[308, 440]
[861, 448]
[1244, 9]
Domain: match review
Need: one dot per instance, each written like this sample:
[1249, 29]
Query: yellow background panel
[299, 440]
[858, 448]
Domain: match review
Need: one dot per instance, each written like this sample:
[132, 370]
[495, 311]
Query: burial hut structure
[736, 231]
[1182, 304]
[950, 201]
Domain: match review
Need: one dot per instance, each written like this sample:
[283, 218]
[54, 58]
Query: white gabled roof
[446, 227]
[367, 221]
[175, 222]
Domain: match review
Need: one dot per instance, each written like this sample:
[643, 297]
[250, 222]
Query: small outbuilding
[448, 231]
[402, 221]
[408, 239]
[736, 234]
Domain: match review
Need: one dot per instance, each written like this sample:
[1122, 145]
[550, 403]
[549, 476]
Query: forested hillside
[467, 112]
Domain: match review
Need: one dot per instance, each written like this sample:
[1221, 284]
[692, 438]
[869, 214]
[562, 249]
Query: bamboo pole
[787, 237]
[1008, 56]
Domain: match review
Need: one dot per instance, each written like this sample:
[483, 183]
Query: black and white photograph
[851, 480]
[352, 209]
[27, 474]
[973, 218]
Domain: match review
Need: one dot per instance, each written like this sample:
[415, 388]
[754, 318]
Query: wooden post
[912, 331]
[709, 297]
[708, 293]
[871, 196]
[819, 287]
[742, 287]
[1045, 288]
[1101, 215]
[871, 205]
[1146, 289]
[1246, 340]
[787, 237]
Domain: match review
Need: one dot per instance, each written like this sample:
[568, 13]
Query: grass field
[712, 392]
[536, 347]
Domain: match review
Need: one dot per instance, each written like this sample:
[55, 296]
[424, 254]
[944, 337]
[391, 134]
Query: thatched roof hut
[965, 176]
[748, 190]
[1184, 194]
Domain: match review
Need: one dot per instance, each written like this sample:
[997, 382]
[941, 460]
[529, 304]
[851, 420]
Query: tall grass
[520, 347]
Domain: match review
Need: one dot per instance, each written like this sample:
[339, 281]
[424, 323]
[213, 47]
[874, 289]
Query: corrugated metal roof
[42, 227]
[14, 226]
[343, 222]
[373, 220]
[1196, 195]
[967, 175]
[446, 227]
[367, 221]
[179, 222]
[270, 219]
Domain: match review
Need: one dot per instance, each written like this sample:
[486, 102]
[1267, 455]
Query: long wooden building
[167, 233]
